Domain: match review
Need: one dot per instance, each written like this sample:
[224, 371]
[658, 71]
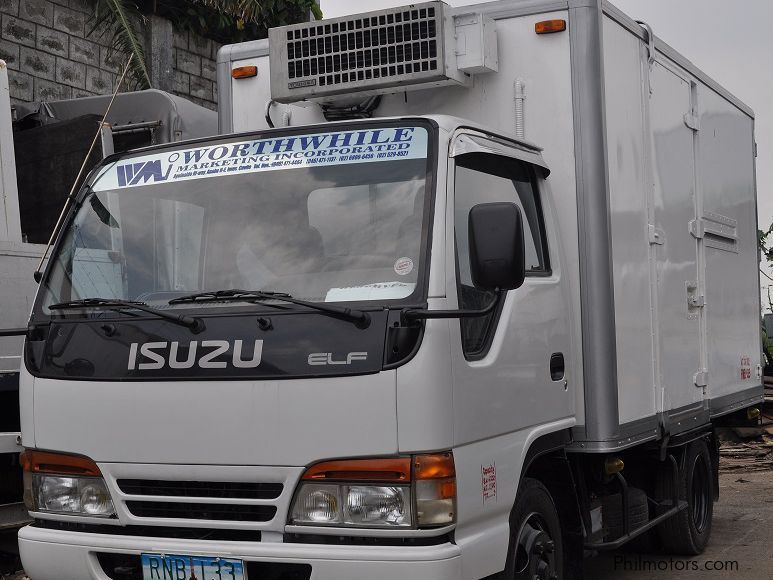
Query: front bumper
[64, 555]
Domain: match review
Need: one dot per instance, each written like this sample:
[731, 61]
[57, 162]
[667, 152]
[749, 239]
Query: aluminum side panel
[725, 162]
[675, 195]
[628, 193]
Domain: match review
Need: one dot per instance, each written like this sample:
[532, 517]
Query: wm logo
[141, 173]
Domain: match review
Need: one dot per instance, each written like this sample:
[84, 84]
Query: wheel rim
[535, 550]
[700, 496]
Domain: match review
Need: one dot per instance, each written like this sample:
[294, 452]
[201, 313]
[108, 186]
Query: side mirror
[497, 258]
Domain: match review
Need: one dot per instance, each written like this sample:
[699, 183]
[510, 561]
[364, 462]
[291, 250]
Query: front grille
[214, 489]
[175, 533]
[201, 511]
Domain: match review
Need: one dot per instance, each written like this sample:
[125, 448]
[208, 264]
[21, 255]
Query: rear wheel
[536, 550]
[612, 510]
[688, 532]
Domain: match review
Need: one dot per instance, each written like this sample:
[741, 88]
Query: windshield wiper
[195, 324]
[360, 318]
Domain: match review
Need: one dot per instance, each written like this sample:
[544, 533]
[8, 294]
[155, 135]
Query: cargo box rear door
[678, 290]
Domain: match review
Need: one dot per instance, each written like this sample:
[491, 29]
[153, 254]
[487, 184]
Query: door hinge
[657, 236]
[694, 299]
[701, 378]
[697, 228]
[692, 121]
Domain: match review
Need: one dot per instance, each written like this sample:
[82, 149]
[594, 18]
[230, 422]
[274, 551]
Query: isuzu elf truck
[456, 293]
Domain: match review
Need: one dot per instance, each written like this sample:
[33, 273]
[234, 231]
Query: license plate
[176, 567]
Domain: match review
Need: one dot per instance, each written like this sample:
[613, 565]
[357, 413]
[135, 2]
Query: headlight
[64, 484]
[405, 492]
[86, 496]
[352, 505]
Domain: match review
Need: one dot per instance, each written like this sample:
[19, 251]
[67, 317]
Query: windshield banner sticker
[285, 152]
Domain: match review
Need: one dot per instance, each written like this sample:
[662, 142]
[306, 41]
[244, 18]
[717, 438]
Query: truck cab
[321, 321]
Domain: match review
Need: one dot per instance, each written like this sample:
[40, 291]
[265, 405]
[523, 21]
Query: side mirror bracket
[409, 314]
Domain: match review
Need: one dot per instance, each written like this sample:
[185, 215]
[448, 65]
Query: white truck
[465, 297]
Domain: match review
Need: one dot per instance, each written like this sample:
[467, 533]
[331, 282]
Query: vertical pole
[159, 40]
[10, 220]
[599, 348]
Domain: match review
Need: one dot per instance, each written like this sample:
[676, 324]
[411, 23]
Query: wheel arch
[547, 462]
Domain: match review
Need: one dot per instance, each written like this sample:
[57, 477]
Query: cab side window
[484, 178]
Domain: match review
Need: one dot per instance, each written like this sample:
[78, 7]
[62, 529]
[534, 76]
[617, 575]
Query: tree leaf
[118, 18]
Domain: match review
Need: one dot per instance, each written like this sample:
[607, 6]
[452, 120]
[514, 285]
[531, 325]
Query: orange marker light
[549, 26]
[57, 464]
[393, 470]
[434, 466]
[244, 72]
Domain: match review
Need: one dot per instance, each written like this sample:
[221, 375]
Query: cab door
[510, 367]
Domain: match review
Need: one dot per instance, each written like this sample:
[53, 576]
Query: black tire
[688, 532]
[536, 550]
[612, 510]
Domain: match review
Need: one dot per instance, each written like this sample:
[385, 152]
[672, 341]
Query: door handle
[557, 367]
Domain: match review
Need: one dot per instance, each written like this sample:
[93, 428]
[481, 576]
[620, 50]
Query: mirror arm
[408, 314]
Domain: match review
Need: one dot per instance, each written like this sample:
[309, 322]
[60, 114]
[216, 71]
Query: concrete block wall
[51, 57]
[48, 54]
[194, 68]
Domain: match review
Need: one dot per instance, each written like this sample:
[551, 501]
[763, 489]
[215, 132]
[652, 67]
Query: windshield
[324, 217]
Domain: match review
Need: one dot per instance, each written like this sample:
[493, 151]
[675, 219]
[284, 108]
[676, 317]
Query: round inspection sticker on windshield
[403, 266]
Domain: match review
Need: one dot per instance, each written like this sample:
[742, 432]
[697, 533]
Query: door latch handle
[557, 367]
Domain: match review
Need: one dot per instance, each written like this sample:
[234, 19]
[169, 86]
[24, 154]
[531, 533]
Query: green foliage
[229, 21]
[226, 21]
[765, 243]
[117, 20]
[267, 13]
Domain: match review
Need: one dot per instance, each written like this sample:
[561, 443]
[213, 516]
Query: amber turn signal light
[549, 26]
[433, 466]
[57, 464]
[392, 470]
[244, 72]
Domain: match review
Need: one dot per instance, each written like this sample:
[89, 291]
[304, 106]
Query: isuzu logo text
[207, 354]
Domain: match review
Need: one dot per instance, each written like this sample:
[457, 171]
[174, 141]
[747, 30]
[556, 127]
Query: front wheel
[536, 550]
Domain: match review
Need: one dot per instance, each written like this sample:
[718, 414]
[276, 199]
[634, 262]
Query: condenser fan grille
[381, 49]
[359, 49]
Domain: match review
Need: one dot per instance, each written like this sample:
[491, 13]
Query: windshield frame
[417, 299]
